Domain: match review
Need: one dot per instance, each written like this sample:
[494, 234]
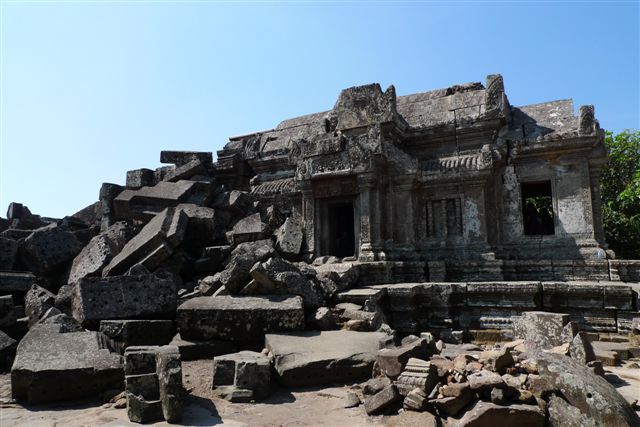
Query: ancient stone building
[456, 183]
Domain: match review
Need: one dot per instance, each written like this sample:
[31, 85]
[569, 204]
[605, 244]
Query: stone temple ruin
[444, 247]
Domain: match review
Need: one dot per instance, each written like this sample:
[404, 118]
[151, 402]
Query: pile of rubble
[515, 383]
[174, 267]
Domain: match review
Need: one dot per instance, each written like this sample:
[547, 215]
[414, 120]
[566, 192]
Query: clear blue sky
[93, 89]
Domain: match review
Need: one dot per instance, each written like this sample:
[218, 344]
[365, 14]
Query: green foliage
[620, 190]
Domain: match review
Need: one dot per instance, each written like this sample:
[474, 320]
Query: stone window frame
[554, 205]
[446, 235]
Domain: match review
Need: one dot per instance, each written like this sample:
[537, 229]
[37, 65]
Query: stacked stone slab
[484, 308]
[153, 384]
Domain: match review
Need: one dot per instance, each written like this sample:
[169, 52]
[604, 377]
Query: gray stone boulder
[391, 361]
[382, 400]
[49, 249]
[16, 283]
[590, 393]
[154, 244]
[123, 297]
[64, 321]
[278, 276]
[52, 366]
[326, 357]
[562, 414]
[100, 251]
[239, 318]
[212, 258]
[289, 237]
[236, 275]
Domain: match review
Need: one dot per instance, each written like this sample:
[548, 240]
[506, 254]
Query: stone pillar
[596, 201]
[366, 183]
[308, 216]
[404, 220]
[108, 192]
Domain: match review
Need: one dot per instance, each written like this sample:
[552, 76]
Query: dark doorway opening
[537, 208]
[342, 237]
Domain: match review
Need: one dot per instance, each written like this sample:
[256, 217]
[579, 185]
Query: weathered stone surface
[239, 318]
[497, 360]
[248, 229]
[544, 330]
[140, 360]
[52, 366]
[7, 351]
[417, 374]
[108, 192]
[244, 370]
[562, 414]
[380, 401]
[49, 249]
[236, 275]
[278, 276]
[312, 358]
[138, 332]
[591, 394]
[485, 414]
[9, 313]
[351, 400]
[100, 251]
[123, 297]
[146, 202]
[191, 169]
[169, 371]
[374, 385]
[36, 303]
[64, 321]
[412, 419]
[416, 400]
[152, 245]
[484, 381]
[289, 237]
[581, 349]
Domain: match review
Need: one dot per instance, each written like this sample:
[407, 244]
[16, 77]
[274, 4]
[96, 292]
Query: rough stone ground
[306, 407]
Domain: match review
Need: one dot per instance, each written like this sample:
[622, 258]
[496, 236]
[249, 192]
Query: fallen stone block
[239, 318]
[36, 303]
[64, 321]
[123, 297]
[543, 329]
[180, 158]
[392, 361]
[588, 392]
[8, 312]
[248, 229]
[185, 171]
[108, 192]
[416, 400]
[48, 250]
[138, 332]
[313, 358]
[169, 370]
[417, 374]
[7, 351]
[138, 178]
[453, 404]
[139, 360]
[195, 350]
[484, 381]
[246, 370]
[281, 277]
[380, 401]
[8, 253]
[152, 245]
[204, 226]
[51, 366]
[497, 360]
[236, 275]
[140, 410]
[374, 385]
[490, 414]
[100, 251]
[289, 237]
[146, 202]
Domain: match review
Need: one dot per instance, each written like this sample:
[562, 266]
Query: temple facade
[451, 175]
